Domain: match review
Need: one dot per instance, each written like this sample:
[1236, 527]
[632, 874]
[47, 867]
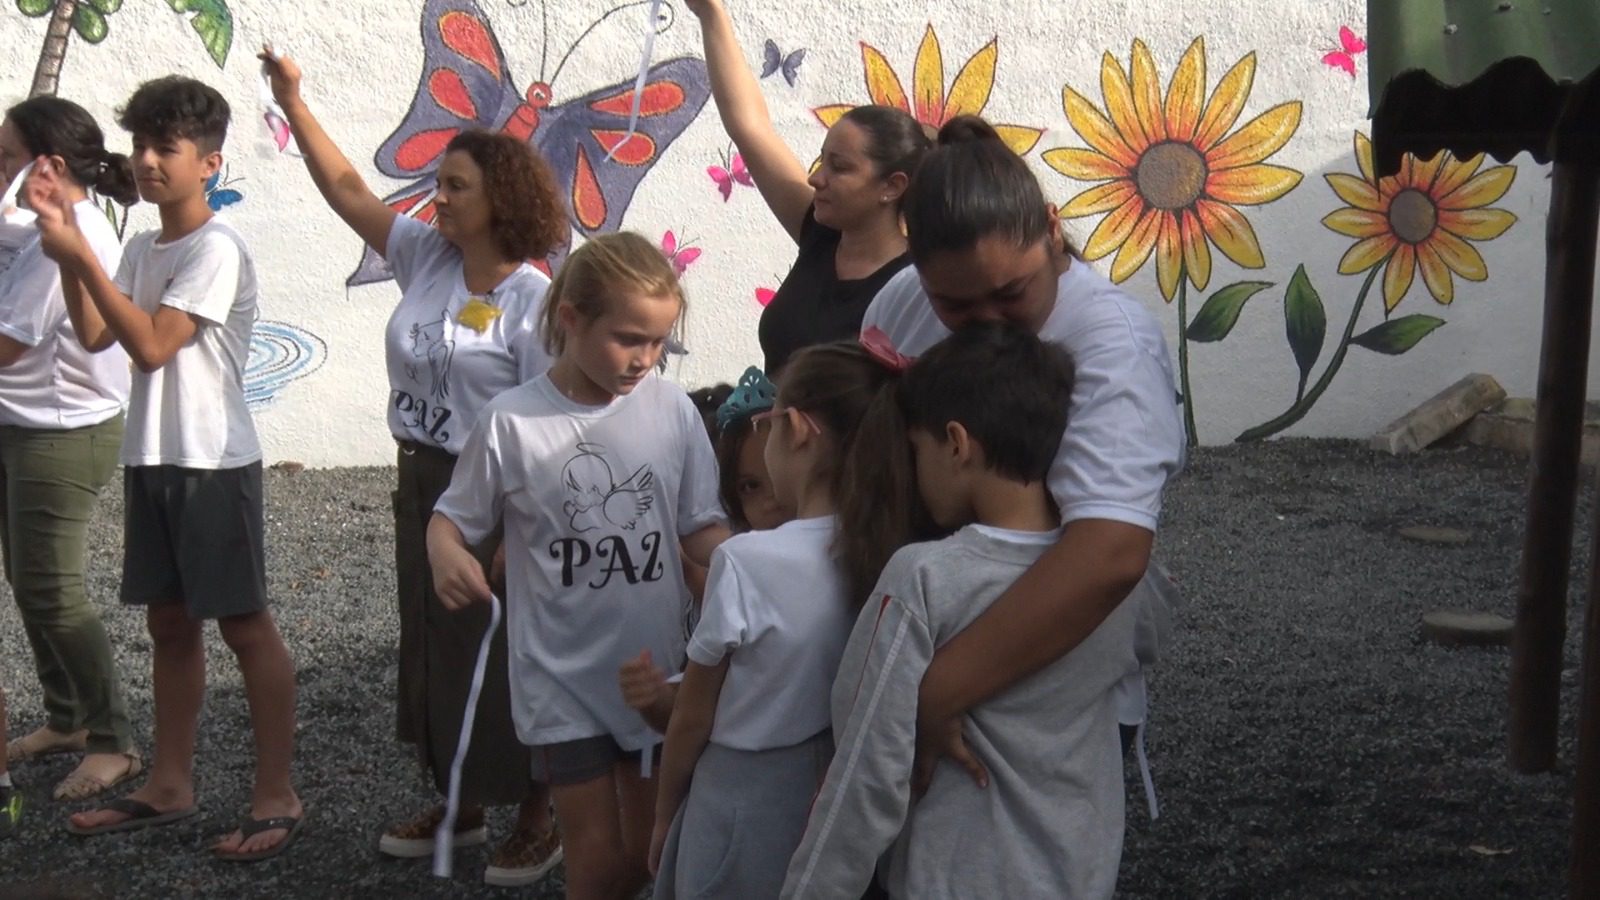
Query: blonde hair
[604, 267]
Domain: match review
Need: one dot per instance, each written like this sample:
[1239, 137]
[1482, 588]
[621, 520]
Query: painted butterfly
[764, 296]
[730, 172]
[218, 194]
[465, 84]
[1346, 58]
[681, 255]
[775, 61]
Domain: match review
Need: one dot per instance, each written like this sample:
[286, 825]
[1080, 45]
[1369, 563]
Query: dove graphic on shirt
[597, 499]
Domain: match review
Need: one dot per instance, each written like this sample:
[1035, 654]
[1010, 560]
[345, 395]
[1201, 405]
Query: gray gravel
[1306, 742]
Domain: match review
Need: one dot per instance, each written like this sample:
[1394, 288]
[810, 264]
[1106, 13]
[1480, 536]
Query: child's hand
[458, 578]
[642, 682]
[57, 222]
[702, 8]
[497, 570]
[936, 741]
[284, 75]
[658, 840]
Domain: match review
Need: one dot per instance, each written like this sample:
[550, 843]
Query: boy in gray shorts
[183, 305]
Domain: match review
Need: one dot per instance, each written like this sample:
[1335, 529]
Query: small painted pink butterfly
[681, 255]
[731, 171]
[1346, 58]
[764, 295]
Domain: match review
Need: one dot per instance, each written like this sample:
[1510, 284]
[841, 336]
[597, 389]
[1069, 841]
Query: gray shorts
[585, 759]
[194, 536]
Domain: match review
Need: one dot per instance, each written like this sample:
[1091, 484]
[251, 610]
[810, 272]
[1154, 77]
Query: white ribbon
[271, 110]
[1144, 773]
[444, 837]
[638, 81]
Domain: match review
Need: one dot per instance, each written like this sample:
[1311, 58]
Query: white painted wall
[363, 59]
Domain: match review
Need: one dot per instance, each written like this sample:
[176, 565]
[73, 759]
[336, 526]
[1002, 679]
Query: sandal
[249, 828]
[78, 786]
[45, 742]
[141, 815]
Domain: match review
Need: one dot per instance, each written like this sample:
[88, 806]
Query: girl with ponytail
[60, 429]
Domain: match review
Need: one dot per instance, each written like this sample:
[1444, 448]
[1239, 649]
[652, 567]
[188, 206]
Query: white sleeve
[724, 625]
[866, 795]
[123, 277]
[904, 287]
[699, 503]
[207, 282]
[409, 245]
[30, 305]
[1124, 435]
[476, 495]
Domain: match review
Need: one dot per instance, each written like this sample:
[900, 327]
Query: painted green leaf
[89, 24]
[213, 21]
[1306, 323]
[106, 7]
[1396, 336]
[1220, 312]
[35, 7]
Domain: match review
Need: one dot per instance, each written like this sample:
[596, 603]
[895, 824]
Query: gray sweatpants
[744, 817]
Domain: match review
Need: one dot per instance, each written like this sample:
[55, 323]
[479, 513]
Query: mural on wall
[730, 173]
[220, 192]
[279, 354]
[681, 254]
[929, 102]
[774, 61]
[1172, 173]
[210, 19]
[466, 84]
[1350, 47]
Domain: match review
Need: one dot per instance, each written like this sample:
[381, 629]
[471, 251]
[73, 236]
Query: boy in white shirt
[183, 305]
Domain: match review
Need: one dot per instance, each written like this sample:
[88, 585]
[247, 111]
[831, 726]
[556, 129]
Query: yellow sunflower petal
[1455, 173]
[1426, 171]
[1169, 255]
[1435, 274]
[1119, 104]
[1462, 258]
[1186, 93]
[1196, 252]
[1020, 138]
[1365, 254]
[1356, 223]
[1355, 192]
[1485, 188]
[927, 81]
[1095, 129]
[1136, 249]
[1251, 185]
[1227, 101]
[1262, 137]
[1231, 232]
[830, 115]
[1398, 275]
[1099, 199]
[1364, 158]
[1113, 230]
[1476, 224]
[883, 85]
[969, 93]
[1147, 93]
[1084, 165]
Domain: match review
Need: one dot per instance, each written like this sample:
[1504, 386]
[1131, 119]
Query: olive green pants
[49, 481]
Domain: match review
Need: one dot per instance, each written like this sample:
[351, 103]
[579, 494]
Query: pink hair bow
[882, 349]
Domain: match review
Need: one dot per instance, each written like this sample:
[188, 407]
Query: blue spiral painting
[279, 353]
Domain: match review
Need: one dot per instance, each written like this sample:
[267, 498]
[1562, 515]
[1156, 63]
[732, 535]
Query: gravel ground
[1306, 742]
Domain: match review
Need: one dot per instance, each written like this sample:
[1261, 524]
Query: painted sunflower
[1172, 174]
[929, 103]
[1420, 218]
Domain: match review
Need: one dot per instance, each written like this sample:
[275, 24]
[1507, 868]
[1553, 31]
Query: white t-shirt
[450, 352]
[1124, 435]
[56, 384]
[776, 600]
[594, 500]
[191, 412]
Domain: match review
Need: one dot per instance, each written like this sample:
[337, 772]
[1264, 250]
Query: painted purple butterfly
[774, 60]
[465, 84]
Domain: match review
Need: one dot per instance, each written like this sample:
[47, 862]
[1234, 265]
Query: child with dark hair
[183, 305]
[984, 411]
[708, 400]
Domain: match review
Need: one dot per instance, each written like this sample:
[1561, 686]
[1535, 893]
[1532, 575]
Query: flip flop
[82, 787]
[249, 828]
[24, 750]
[140, 815]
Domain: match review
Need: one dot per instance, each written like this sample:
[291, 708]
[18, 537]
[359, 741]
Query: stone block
[1439, 415]
[1454, 628]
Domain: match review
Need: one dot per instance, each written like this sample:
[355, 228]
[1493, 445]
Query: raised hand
[46, 195]
[642, 682]
[702, 8]
[283, 73]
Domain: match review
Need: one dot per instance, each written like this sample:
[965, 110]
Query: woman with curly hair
[465, 329]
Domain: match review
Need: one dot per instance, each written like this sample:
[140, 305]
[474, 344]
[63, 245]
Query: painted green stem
[1192, 434]
[1303, 405]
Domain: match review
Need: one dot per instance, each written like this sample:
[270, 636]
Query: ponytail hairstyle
[51, 126]
[605, 266]
[972, 186]
[896, 142]
[854, 397]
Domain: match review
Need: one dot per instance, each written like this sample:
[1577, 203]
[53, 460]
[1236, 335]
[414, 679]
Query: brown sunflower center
[1412, 216]
[1171, 175]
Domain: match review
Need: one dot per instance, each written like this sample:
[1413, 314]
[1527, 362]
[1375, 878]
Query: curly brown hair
[526, 214]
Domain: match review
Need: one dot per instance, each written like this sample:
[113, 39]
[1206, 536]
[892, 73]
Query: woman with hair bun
[61, 410]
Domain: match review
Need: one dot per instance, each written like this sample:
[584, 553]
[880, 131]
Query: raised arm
[87, 323]
[333, 174]
[778, 174]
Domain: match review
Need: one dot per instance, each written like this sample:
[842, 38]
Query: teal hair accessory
[753, 394]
